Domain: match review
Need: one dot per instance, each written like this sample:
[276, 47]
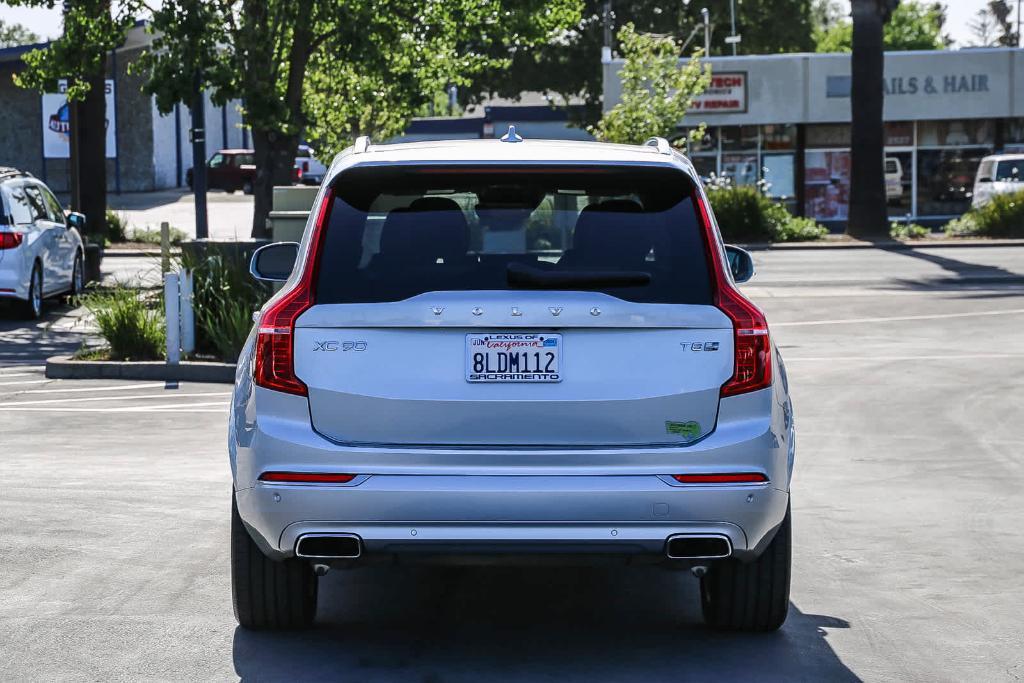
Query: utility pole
[707, 30]
[198, 136]
[74, 155]
[606, 49]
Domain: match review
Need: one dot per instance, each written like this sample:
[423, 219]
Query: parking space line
[5, 375]
[140, 397]
[23, 381]
[948, 356]
[897, 318]
[207, 407]
[79, 390]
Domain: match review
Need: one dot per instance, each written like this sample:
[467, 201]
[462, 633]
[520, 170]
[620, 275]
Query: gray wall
[21, 144]
[813, 88]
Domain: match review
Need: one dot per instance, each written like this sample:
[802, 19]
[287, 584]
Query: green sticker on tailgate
[687, 430]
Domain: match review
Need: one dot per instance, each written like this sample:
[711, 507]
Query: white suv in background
[41, 251]
[507, 349]
[998, 174]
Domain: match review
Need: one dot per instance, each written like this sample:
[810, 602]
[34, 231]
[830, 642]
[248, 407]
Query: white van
[998, 174]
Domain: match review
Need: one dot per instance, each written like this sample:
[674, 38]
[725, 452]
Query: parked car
[229, 170]
[311, 169]
[41, 252]
[893, 179]
[998, 174]
[611, 395]
[234, 169]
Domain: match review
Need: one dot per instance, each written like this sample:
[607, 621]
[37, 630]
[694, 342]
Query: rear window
[632, 233]
[1010, 169]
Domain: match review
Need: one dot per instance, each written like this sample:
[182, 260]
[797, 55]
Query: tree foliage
[333, 69]
[92, 28]
[656, 91]
[913, 26]
[12, 35]
[568, 64]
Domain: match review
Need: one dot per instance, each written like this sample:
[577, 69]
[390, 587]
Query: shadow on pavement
[961, 273]
[31, 342]
[475, 624]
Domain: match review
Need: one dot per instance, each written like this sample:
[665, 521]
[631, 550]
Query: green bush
[148, 236]
[224, 297]
[130, 321]
[908, 231]
[1001, 216]
[117, 227]
[745, 214]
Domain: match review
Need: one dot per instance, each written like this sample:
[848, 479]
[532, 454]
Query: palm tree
[867, 176]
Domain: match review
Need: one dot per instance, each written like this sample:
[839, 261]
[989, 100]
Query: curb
[63, 367]
[117, 253]
[884, 245]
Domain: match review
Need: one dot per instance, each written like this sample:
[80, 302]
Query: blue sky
[46, 22]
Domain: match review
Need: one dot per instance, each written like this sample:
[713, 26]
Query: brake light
[274, 363]
[10, 240]
[752, 354]
[722, 478]
[307, 477]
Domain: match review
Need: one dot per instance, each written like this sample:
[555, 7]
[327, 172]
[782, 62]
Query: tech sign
[727, 94]
[57, 122]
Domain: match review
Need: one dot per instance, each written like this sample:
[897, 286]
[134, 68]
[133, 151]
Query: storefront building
[784, 120]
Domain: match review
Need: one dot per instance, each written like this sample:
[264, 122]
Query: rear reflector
[722, 478]
[10, 240]
[307, 477]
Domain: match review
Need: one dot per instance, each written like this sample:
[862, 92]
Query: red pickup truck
[232, 170]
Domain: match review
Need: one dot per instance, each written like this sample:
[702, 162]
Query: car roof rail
[361, 144]
[9, 172]
[661, 143]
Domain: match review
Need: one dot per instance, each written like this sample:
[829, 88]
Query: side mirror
[274, 262]
[740, 263]
[75, 220]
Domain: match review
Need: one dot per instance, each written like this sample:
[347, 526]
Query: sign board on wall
[727, 94]
[57, 122]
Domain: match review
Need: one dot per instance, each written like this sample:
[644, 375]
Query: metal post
[165, 247]
[186, 315]
[198, 135]
[171, 299]
[606, 48]
[707, 30]
[732, 14]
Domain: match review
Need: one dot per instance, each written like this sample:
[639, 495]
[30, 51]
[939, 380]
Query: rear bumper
[399, 514]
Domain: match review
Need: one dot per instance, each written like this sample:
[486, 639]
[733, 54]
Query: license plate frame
[514, 358]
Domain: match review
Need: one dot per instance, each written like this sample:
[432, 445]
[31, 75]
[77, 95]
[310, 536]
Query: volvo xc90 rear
[507, 350]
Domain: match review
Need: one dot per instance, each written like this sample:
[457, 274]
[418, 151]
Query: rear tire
[32, 309]
[77, 278]
[754, 596]
[268, 594]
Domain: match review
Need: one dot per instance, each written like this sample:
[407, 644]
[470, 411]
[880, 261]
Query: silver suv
[506, 349]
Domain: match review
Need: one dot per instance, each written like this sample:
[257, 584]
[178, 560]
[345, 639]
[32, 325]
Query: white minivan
[998, 174]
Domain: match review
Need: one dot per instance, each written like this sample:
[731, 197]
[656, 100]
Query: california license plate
[513, 357]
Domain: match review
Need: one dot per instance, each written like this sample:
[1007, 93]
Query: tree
[91, 30]
[12, 35]
[331, 69]
[996, 16]
[656, 92]
[867, 216]
[568, 65]
[913, 26]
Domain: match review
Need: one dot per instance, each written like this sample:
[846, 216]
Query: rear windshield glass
[395, 233]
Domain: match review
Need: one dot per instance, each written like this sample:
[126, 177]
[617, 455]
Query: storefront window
[945, 179]
[899, 133]
[777, 137]
[739, 138]
[1013, 135]
[827, 185]
[707, 143]
[898, 183]
[777, 170]
[956, 133]
[706, 165]
[829, 135]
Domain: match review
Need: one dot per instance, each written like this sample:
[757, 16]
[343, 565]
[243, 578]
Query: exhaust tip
[688, 547]
[328, 546]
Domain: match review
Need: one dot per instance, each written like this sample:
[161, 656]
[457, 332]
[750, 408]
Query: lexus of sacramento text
[494, 350]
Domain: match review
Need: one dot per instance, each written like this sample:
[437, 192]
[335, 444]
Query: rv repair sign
[57, 122]
[727, 94]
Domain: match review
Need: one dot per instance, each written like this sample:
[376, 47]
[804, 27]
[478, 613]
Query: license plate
[513, 357]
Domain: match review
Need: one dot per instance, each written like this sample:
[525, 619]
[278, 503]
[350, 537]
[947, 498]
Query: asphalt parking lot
[907, 372]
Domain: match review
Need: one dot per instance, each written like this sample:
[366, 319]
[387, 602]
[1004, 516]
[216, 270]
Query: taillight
[752, 355]
[274, 363]
[722, 478]
[307, 477]
[10, 240]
